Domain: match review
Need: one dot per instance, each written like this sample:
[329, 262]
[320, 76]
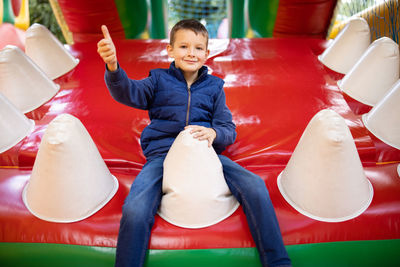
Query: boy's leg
[138, 213]
[251, 192]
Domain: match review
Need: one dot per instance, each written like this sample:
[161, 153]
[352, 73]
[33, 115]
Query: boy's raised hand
[106, 50]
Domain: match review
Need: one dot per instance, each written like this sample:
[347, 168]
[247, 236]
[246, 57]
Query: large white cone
[69, 180]
[383, 120]
[48, 52]
[14, 125]
[374, 74]
[347, 48]
[22, 81]
[195, 192]
[324, 178]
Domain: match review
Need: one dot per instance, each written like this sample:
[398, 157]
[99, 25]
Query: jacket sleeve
[134, 93]
[222, 123]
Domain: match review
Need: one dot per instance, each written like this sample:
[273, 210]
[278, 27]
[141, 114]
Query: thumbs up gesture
[106, 49]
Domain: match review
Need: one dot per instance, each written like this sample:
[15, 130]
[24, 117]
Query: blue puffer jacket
[172, 106]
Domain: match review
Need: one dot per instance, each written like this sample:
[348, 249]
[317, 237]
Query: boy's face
[189, 50]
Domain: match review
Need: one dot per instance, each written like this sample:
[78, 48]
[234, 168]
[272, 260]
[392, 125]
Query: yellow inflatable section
[378, 18]
[22, 20]
[1, 12]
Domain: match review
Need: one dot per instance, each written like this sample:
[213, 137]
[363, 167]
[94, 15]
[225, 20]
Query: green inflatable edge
[238, 25]
[262, 17]
[349, 253]
[133, 17]
[158, 21]
[8, 13]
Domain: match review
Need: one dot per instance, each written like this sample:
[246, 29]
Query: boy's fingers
[200, 135]
[106, 33]
[104, 48]
[194, 128]
[104, 42]
[107, 53]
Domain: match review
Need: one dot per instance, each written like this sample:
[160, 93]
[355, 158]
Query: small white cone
[22, 81]
[195, 192]
[374, 74]
[324, 178]
[347, 48]
[48, 52]
[69, 180]
[383, 120]
[14, 125]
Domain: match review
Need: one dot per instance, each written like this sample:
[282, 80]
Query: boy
[184, 96]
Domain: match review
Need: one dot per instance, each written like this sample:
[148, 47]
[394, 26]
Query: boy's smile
[189, 51]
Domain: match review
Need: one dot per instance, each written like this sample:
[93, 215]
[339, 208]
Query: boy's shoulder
[159, 70]
[215, 78]
[219, 82]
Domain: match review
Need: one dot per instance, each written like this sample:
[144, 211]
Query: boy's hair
[188, 24]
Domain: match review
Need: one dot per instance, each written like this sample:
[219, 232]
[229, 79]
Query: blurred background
[78, 21]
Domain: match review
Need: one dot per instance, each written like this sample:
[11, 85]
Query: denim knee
[252, 185]
[255, 186]
[135, 214]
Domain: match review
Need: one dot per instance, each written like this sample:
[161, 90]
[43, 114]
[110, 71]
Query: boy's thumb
[106, 34]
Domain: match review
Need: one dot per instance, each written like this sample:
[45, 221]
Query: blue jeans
[142, 203]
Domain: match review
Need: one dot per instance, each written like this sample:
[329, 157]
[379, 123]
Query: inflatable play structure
[285, 18]
[317, 120]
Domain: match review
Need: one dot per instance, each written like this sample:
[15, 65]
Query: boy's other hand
[202, 133]
[106, 50]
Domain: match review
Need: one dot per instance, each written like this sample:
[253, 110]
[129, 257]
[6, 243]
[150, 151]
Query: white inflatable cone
[195, 192]
[324, 178]
[22, 81]
[373, 75]
[217, 46]
[14, 125]
[347, 48]
[69, 180]
[383, 120]
[48, 52]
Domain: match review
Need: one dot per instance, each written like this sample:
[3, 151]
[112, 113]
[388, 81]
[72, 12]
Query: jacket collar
[179, 75]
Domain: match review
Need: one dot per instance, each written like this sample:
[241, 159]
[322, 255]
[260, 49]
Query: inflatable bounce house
[317, 119]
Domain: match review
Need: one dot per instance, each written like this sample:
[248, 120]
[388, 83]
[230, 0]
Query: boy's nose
[191, 52]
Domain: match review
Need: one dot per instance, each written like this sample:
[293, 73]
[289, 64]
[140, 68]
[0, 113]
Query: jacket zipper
[187, 112]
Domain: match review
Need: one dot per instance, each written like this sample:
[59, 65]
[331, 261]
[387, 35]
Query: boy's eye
[200, 48]
[183, 46]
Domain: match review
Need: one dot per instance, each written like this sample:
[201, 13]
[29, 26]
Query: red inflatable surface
[77, 13]
[304, 18]
[273, 88]
[380, 221]
[10, 35]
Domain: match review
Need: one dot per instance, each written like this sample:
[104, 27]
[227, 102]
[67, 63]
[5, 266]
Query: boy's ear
[207, 53]
[169, 50]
